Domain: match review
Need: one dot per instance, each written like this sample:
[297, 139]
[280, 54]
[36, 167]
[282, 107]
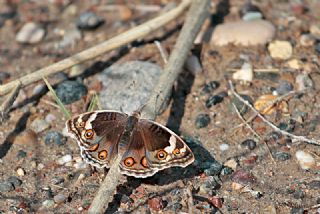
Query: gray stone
[59, 198]
[30, 33]
[202, 121]
[54, 137]
[71, 91]
[39, 125]
[14, 181]
[6, 186]
[282, 156]
[127, 86]
[89, 21]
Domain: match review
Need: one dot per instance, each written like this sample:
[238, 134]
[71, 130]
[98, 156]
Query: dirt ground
[262, 176]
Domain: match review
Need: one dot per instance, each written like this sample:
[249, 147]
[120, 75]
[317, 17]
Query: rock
[127, 86]
[243, 33]
[4, 76]
[307, 40]
[249, 143]
[224, 147]
[21, 172]
[70, 91]
[207, 186]
[280, 49]
[50, 118]
[193, 64]
[209, 87]
[303, 82]
[54, 137]
[232, 164]
[250, 16]
[39, 89]
[315, 184]
[64, 159]
[243, 177]
[282, 156]
[14, 181]
[226, 171]
[39, 125]
[202, 121]
[214, 169]
[242, 108]
[6, 186]
[30, 33]
[155, 204]
[58, 199]
[245, 73]
[284, 87]
[89, 21]
[305, 160]
[297, 210]
[214, 100]
[26, 138]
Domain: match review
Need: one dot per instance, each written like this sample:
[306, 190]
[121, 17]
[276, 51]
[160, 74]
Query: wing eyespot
[161, 155]
[176, 152]
[129, 162]
[103, 155]
[144, 162]
[89, 134]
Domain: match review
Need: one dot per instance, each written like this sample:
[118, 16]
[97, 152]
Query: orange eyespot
[176, 152]
[144, 162]
[129, 162]
[89, 134]
[161, 155]
[94, 147]
[103, 155]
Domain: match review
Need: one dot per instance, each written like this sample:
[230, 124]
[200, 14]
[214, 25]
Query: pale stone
[305, 160]
[245, 73]
[280, 49]
[294, 64]
[30, 33]
[257, 32]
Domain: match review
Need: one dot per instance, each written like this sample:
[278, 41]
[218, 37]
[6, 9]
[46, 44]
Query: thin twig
[113, 43]
[6, 105]
[258, 70]
[294, 137]
[194, 19]
[162, 51]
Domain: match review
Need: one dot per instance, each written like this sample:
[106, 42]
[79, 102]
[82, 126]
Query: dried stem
[194, 20]
[113, 43]
[294, 137]
[6, 105]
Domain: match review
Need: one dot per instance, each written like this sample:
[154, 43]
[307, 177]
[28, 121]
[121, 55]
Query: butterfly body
[146, 146]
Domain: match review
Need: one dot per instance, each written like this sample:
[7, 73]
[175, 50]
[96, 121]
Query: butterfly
[148, 146]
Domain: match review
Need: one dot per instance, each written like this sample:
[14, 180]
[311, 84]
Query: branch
[6, 105]
[194, 20]
[113, 43]
[294, 137]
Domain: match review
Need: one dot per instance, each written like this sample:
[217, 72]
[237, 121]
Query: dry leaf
[262, 104]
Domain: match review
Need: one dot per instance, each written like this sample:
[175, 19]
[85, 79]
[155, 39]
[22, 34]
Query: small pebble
[57, 180]
[4, 76]
[282, 156]
[305, 160]
[294, 64]
[26, 138]
[64, 159]
[21, 154]
[40, 166]
[155, 204]
[304, 82]
[48, 203]
[249, 143]
[54, 137]
[193, 64]
[307, 40]
[298, 194]
[214, 169]
[210, 87]
[70, 38]
[224, 147]
[315, 30]
[280, 49]
[250, 16]
[39, 125]
[296, 210]
[6, 186]
[39, 89]
[226, 171]
[70, 91]
[242, 108]
[50, 118]
[89, 21]
[243, 177]
[202, 121]
[245, 73]
[284, 87]
[315, 184]
[214, 100]
[30, 33]
[21, 172]
[14, 181]
[58, 199]
[232, 164]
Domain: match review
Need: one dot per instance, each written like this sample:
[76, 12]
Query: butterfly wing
[163, 147]
[97, 134]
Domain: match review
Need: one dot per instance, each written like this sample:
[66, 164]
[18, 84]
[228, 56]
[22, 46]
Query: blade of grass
[94, 102]
[58, 101]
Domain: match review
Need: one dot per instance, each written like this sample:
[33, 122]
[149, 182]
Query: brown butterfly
[149, 146]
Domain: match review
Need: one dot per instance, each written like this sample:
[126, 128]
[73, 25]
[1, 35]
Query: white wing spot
[88, 122]
[172, 141]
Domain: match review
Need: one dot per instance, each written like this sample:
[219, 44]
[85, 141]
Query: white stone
[245, 73]
[64, 159]
[224, 147]
[30, 33]
[257, 32]
[21, 171]
[280, 49]
[305, 160]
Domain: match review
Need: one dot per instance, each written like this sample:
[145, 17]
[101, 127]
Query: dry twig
[6, 105]
[113, 43]
[194, 20]
[294, 137]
